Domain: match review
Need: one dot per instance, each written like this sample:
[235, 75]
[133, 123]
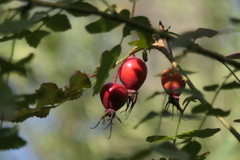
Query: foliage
[34, 26]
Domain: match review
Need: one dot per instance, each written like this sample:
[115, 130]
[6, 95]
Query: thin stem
[133, 9]
[232, 72]
[160, 119]
[11, 58]
[214, 99]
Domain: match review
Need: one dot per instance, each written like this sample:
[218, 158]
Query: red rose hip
[113, 97]
[132, 74]
[173, 84]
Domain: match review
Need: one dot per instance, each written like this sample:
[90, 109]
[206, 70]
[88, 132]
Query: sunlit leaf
[145, 38]
[235, 55]
[10, 140]
[201, 108]
[142, 43]
[13, 26]
[158, 138]
[192, 148]
[77, 83]
[105, 25]
[149, 116]
[81, 4]
[204, 133]
[218, 112]
[169, 149]
[108, 61]
[212, 87]
[58, 23]
[231, 85]
[35, 38]
[51, 95]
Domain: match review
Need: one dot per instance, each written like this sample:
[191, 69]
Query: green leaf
[192, 93]
[37, 16]
[105, 25]
[158, 138]
[51, 95]
[24, 101]
[18, 67]
[30, 112]
[77, 83]
[231, 85]
[235, 20]
[35, 38]
[218, 112]
[141, 154]
[201, 108]
[212, 87]
[58, 23]
[10, 140]
[204, 32]
[81, 4]
[18, 35]
[142, 43]
[4, 1]
[139, 19]
[13, 26]
[108, 61]
[204, 133]
[25, 60]
[146, 38]
[145, 55]
[192, 148]
[202, 156]
[169, 149]
[149, 116]
[237, 120]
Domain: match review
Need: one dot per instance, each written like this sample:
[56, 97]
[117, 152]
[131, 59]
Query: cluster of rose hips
[132, 73]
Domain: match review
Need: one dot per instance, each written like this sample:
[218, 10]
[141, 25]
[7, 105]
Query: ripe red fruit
[132, 74]
[113, 97]
[173, 83]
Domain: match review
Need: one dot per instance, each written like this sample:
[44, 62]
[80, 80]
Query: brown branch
[160, 45]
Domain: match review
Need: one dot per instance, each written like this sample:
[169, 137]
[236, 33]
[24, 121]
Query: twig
[116, 17]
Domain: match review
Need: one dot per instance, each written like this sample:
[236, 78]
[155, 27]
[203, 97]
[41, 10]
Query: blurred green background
[66, 135]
